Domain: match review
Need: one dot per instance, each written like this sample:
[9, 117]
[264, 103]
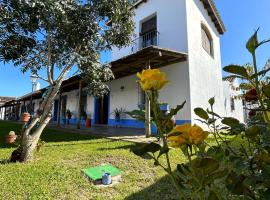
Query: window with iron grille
[149, 32]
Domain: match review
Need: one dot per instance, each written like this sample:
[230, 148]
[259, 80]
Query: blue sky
[241, 18]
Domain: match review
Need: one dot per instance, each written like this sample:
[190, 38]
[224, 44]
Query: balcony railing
[133, 1]
[145, 40]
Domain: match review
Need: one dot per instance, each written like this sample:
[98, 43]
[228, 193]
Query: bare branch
[49, 67]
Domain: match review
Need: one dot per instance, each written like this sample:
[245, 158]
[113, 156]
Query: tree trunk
[28, 148]
[32, 132]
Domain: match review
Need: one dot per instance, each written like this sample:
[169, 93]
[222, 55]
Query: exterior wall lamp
[122, 88]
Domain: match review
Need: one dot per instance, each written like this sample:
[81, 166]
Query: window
[207, 41]
[149, 32]
[232, 104]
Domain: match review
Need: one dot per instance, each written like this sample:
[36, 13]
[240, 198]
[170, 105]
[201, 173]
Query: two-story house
[182, 38]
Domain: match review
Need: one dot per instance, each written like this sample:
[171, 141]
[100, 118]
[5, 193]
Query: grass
[56, 171]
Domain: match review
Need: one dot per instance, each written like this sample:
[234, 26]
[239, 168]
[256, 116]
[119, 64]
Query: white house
[233, 105]
[182, 38]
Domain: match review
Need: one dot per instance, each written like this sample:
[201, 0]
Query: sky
[241, 18]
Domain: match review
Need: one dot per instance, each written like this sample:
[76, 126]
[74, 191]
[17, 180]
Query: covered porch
[150, 57]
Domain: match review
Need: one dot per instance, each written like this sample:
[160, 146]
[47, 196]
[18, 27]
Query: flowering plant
[228, 169]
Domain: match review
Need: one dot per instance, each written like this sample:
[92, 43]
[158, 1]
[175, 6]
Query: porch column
[0, 113]
[59, 109]
[5, 112]
[79, 107]
[147, 110]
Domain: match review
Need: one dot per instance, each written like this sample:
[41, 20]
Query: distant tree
[46, 35]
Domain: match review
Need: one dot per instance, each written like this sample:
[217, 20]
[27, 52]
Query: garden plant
[225, 170]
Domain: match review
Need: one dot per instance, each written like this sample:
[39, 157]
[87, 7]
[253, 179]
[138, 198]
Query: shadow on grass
[47, 136]
[161, 189]
[115, 148]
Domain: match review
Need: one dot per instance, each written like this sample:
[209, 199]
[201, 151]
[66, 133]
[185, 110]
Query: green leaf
[201, 113]
[216, 152]
[235, 183]
[162, 151]
[266, 194]
[232, 122]
[212, 196]
[237, 69]
[261, 73]
[252, 131]
[266, 90]
[253, 43]
[207, 164]
[174, 111]
[213, 113]
[211, 101]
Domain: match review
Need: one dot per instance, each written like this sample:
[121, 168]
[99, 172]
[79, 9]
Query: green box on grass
[96, 173]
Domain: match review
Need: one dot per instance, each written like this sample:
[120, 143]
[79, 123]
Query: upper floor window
[207, 40]
[149, 35]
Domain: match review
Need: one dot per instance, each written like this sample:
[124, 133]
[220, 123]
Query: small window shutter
[206, 42]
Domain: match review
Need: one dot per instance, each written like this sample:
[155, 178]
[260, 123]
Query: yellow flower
[197, 135]
[187, 134]
[180, 135]
[152, 79]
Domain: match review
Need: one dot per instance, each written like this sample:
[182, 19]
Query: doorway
[102, 110]
[55, 111]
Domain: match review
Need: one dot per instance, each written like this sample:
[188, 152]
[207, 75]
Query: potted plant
[88, 121]
[164, 107]
[118, 112]
[69, 115]
[11, 137]
[83, 115]
[25, 117]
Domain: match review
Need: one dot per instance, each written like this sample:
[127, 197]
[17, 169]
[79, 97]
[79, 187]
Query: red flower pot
[11, 139]
[88, 123]
[25, 117]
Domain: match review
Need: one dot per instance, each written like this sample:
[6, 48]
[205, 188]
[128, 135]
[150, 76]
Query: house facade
[182, 38]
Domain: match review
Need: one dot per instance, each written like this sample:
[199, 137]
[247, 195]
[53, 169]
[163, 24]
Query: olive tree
[56, 36]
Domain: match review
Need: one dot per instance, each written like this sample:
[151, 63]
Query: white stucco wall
[175, 93]
[238, 113]
[2, 112]
[171, 24]
[204, 70]
[73, 103]
[126, 99]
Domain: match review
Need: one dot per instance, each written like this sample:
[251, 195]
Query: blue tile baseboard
[132, 123]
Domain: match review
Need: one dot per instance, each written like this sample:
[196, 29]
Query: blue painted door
[55, 112]
[102, 110]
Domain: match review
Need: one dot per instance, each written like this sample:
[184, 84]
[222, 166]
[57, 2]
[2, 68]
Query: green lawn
[56, 172]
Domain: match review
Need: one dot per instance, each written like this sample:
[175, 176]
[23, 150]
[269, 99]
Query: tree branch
[49, 67]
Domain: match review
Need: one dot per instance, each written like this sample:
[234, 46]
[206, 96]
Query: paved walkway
[125, 134]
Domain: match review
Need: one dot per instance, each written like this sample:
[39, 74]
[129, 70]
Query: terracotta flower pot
[11, 139]
[25, 117]
[88, 123]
